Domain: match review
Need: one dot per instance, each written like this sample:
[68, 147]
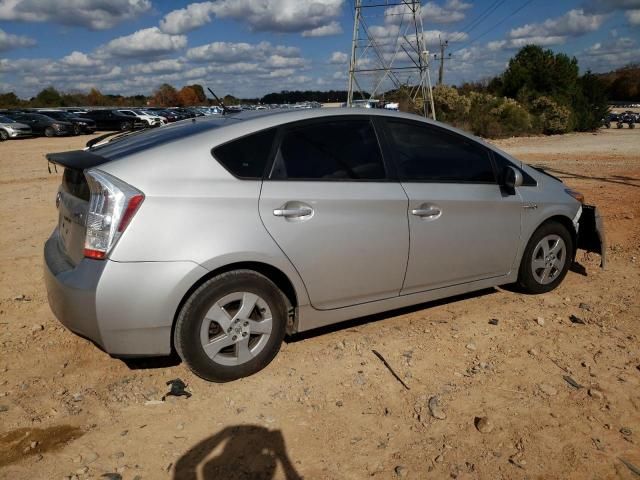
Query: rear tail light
[112, 205]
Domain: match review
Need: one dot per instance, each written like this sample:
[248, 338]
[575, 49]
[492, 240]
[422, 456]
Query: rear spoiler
[76, 159]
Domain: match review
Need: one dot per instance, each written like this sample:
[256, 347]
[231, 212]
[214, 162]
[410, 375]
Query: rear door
[328, 203]
[464, 227]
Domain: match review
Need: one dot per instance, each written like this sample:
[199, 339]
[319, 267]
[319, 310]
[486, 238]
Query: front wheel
[546, 259]
[49, 132]
[124, 126]
[232, 326]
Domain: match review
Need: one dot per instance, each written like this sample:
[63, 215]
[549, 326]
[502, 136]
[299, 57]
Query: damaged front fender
[591, 236]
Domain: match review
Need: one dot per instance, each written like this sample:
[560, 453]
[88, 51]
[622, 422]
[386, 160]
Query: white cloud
[611, 54]
[229, 52]
[79, 59]
[339, 58]
[332, 28]
[278, 61]
[92, 14]
[633, 16]
[280, 15]
[9, 41]
[148, 42]
[186, 19]
[158, 66]
[452, 11]
[554, 31]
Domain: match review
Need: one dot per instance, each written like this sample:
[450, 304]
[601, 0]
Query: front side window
[429, 154]
[330, 150]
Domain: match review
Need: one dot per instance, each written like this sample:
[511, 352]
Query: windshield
[6, 119]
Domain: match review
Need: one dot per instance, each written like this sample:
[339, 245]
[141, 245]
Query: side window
[331, 150]
[502, 163]
[246, 157]
[425, 153]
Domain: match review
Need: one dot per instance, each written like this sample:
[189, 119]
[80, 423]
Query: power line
[477, 21]
[494, 26]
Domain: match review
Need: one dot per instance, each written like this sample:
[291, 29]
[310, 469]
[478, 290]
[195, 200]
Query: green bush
[551, 118]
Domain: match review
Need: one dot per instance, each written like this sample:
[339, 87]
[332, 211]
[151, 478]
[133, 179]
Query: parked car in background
[80, 124]
[108, 119]
[9, 128]
[168, 115]
[337, 213]
[150, 120]
[42, 124]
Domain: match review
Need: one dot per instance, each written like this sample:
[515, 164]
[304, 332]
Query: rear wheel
[49, 132]
[546, 259]
[232, 326]
[3, 135]
[76, 129]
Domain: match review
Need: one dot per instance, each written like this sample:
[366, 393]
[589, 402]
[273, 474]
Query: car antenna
[224, 109]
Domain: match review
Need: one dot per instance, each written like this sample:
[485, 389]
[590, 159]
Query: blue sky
[252, 47]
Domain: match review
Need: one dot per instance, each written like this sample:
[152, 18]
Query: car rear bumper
[126, 308]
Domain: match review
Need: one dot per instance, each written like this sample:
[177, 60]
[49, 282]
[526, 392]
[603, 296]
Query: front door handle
[293, 212]
[426, 212]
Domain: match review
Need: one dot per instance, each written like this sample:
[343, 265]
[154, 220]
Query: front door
[328, 204]
[463, 226]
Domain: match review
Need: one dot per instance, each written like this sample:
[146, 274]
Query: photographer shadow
[248, 452]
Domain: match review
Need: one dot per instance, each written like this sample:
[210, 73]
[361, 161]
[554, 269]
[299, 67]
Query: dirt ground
[327, 408]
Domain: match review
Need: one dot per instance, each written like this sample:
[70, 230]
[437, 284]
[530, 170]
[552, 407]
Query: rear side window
[330, 150]
[246, 157]
[428, 154]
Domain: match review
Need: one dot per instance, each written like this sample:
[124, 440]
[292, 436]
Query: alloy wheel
[548, 259]
[236, 328]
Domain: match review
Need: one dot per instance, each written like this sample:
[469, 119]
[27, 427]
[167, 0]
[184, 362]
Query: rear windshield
[145, 139]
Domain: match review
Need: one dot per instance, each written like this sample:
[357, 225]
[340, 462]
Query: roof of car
[233, 125]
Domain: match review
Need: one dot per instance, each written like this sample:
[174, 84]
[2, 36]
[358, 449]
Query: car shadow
[149, 363]
[619, 179]
[237, 452]
[357, 322]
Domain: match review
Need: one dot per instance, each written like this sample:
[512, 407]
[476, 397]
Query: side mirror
[512, 178]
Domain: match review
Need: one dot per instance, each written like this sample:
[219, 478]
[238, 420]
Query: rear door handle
[426, 212]
[293, 212]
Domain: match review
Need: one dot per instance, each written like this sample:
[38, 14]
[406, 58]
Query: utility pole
[380, 62]
[443, 46]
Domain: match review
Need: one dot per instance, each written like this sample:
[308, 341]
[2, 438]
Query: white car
[151, 120]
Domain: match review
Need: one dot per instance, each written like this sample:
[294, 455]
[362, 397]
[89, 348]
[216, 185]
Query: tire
[3, 135]
[76, 129]
[632, 125]
[552, 263]
[229, 313]
[124, 126]
[49, 132]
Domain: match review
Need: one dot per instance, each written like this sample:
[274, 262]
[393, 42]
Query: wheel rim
[549, 258]
[236, 328]
[3, 135]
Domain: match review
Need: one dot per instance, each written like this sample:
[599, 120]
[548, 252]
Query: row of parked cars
[619, 119]
[76, 121]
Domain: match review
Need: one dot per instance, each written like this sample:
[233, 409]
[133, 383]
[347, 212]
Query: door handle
[426, 212]
[293, 212]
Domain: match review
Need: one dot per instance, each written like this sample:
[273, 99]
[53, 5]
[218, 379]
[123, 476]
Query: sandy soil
[327, 408]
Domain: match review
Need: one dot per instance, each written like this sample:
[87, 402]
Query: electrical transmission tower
[388, 51]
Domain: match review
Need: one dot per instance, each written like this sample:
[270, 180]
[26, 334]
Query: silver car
[217, 237]
[9, 128]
